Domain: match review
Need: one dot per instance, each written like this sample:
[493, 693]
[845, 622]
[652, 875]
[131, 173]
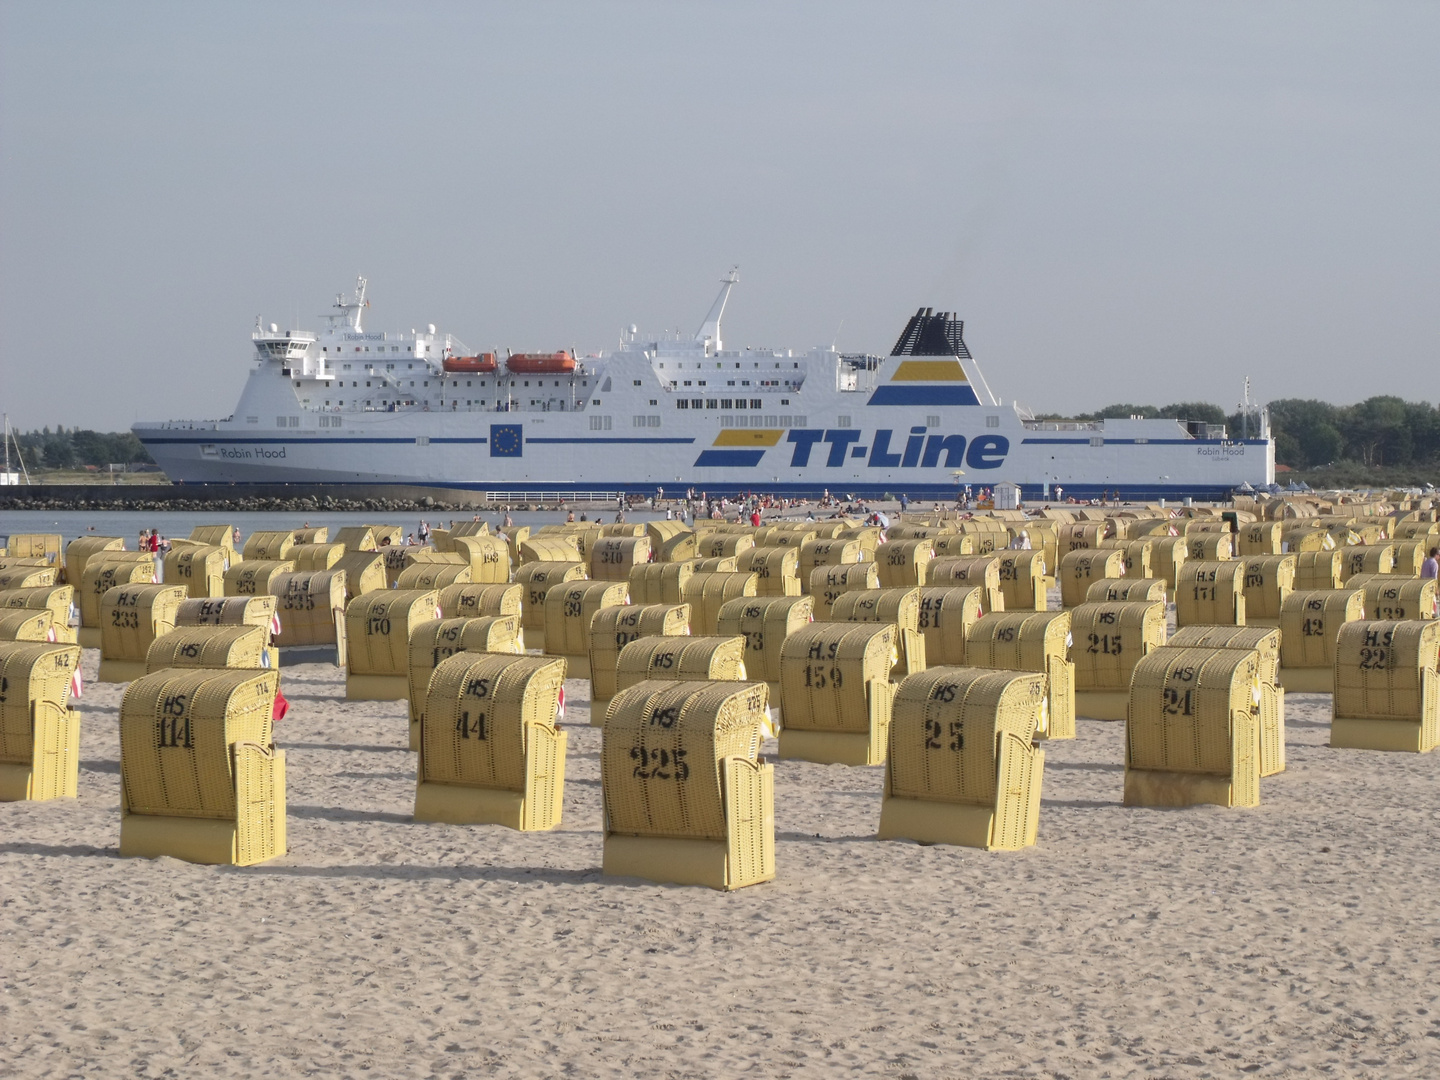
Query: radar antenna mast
[710, 329]
[351, 309]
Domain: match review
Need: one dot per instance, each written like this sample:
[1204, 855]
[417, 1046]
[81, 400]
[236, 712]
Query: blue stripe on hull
[222, 437]
[302, 440]
[614, 440]
[1145, 442]
[917, 394]
[729, 459]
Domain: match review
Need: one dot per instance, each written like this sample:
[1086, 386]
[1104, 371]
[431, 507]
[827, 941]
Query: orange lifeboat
[484, 364]
[559, 363]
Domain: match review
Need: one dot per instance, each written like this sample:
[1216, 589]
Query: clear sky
[1124, 201]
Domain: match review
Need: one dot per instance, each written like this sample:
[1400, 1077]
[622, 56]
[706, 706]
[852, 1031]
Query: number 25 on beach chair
[963, 766]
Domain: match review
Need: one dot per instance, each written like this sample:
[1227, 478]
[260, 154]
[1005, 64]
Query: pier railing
[551, 496]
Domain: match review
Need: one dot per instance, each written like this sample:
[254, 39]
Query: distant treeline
[78, 448]
[1386, 432]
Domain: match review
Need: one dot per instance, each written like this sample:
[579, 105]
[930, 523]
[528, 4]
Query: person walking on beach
[1431, 566]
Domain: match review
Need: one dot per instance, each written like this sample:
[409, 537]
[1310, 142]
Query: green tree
[1313, 430]
[1376, 432]
[1287, 449]
[72, 449]
[1196, 411]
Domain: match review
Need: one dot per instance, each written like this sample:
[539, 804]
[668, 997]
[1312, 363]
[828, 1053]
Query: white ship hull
[641, 417]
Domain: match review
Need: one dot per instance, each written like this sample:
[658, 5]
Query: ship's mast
[710, 328]
[352, 310]
[19, 457]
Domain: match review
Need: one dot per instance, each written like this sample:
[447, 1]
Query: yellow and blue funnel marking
[926, 382]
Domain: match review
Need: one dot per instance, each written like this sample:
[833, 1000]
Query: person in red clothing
[755, 518]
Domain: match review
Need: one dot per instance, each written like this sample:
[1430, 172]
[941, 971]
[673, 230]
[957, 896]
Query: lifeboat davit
[484, 364]
[559, 363]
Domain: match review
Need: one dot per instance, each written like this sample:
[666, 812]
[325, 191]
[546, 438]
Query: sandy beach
[1296, 939]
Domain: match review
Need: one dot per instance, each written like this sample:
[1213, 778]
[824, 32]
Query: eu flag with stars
[506, 440]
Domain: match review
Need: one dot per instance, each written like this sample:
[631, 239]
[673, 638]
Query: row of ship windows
[728, 382]
[764, 421]
[722, 403]
[718, 365]
[607, 423]
[931, 421]
[378, 348]
[603, 423]
[294, 421]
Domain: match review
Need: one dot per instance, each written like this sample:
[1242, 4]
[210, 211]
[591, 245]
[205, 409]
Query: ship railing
[673, 387]
[284, 335]
[448, 406]
[551, 496]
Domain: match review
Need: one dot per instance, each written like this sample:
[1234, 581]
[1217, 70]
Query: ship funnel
[928, 334]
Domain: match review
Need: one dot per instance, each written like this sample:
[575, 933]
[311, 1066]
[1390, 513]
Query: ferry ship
[352, 406]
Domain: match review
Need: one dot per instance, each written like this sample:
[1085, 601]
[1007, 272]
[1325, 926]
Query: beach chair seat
[491, 749]
[687, 799]
[963, 767]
